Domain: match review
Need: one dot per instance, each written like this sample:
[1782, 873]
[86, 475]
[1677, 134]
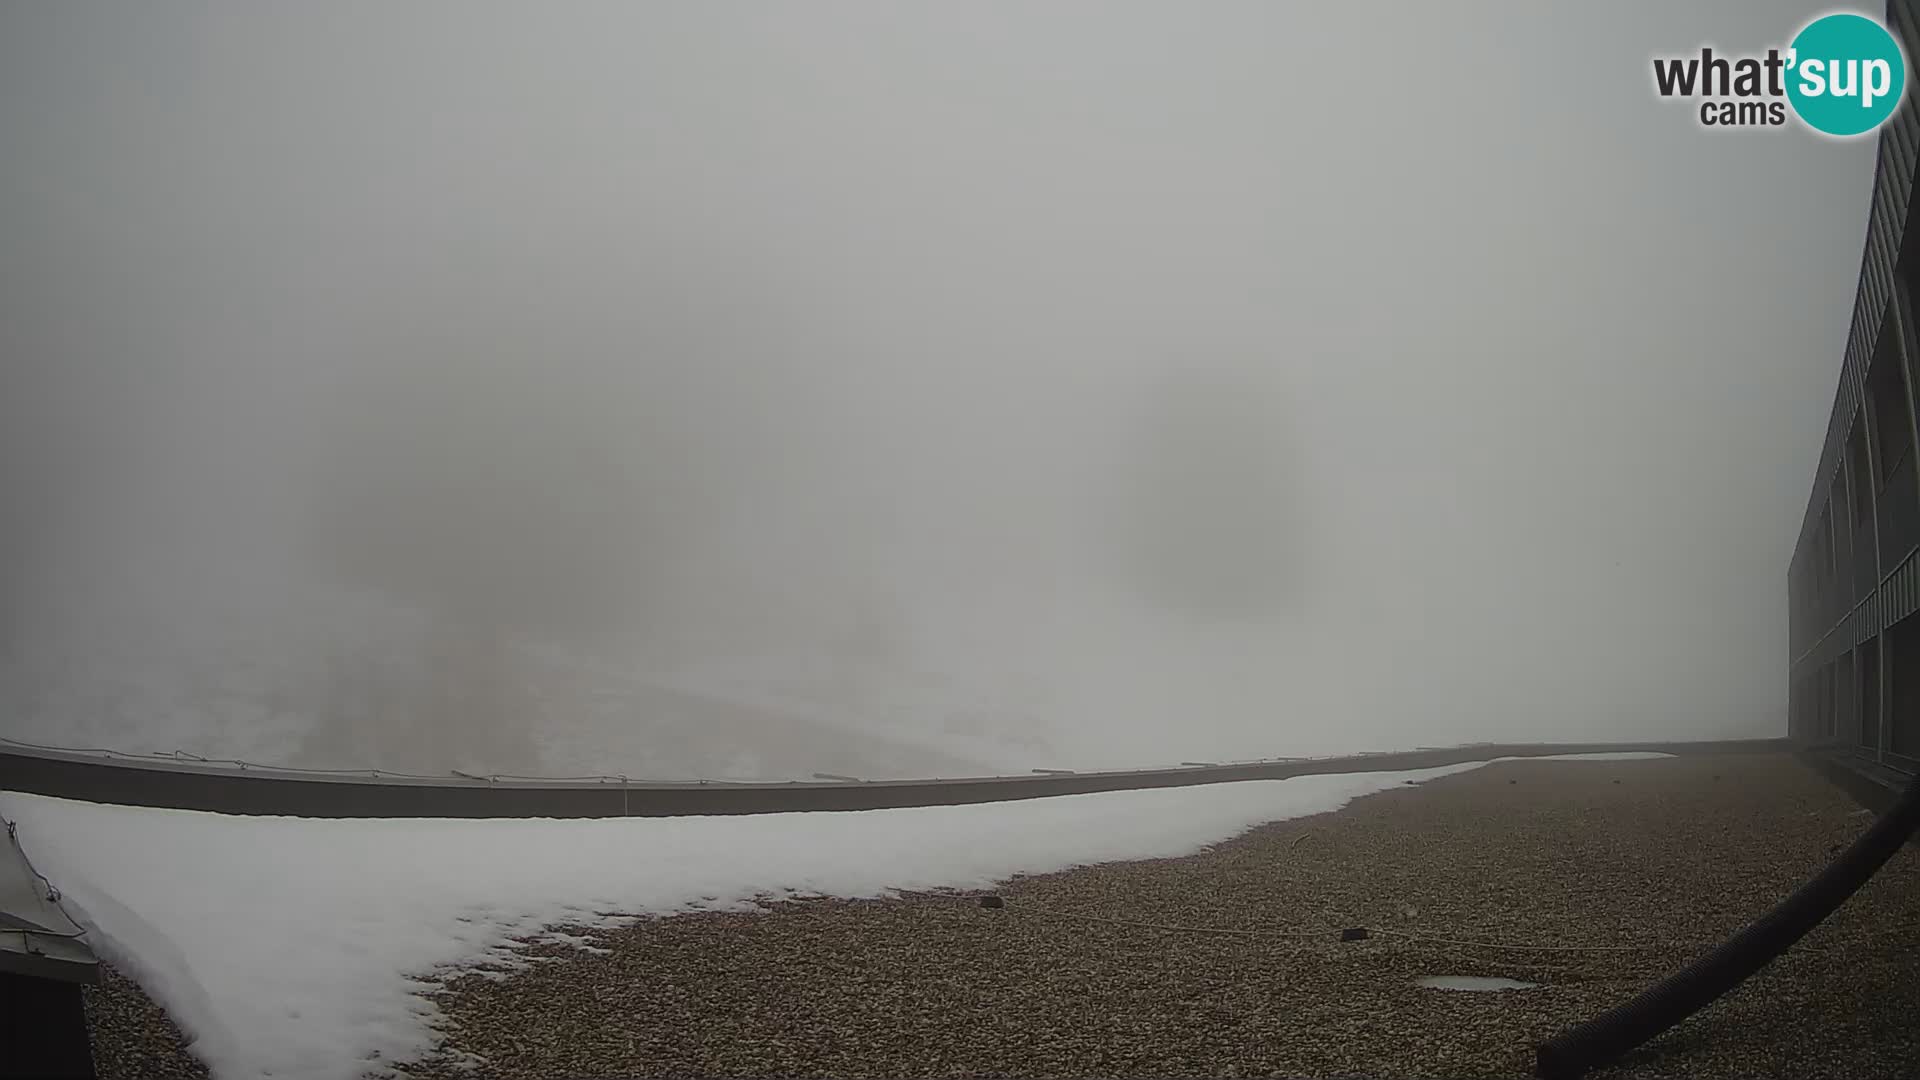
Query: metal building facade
[1854, 584]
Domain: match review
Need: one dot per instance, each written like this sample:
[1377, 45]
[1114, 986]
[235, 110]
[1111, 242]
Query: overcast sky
[1222, 377]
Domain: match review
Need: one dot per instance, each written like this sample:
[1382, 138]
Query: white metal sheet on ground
[35, 937]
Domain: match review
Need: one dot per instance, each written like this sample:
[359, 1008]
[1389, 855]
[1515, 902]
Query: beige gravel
[1675, 854]
[133, 1039]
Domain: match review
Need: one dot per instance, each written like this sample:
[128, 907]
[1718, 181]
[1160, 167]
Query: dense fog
[753, 390]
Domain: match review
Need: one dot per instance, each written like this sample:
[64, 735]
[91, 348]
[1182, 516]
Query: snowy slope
[323, 678]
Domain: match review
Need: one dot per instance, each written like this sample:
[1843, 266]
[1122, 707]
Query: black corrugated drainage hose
[1612, 1034]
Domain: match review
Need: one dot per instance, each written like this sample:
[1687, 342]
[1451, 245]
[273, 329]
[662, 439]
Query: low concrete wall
[1872, 785]
[234, 791]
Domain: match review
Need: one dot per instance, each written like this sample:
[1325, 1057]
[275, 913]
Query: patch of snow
[1480, 983]
[1627, 756]
[296, 947]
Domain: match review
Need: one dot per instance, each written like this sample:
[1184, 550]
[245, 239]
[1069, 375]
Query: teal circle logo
[1847, 74]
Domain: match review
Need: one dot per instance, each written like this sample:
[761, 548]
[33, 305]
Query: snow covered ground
[334, 694]
[292, 947]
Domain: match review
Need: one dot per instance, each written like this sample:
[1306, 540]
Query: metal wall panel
[1891, 201]
[1830, 617]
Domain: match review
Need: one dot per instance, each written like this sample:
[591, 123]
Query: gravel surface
[132, 1037]
[1670, 856]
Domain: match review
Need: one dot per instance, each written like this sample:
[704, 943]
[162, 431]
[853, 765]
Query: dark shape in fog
[1213, 526]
